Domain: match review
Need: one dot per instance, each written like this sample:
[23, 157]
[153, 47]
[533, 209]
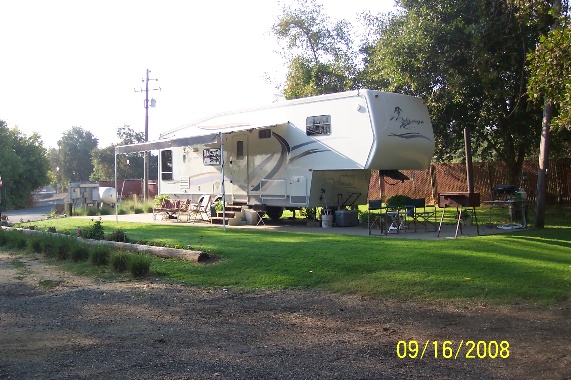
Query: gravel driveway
[54, 325]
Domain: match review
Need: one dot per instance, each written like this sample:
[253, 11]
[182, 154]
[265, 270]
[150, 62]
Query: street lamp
[146, 158]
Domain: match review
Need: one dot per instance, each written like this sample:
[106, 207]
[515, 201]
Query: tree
[23, 166]
[467, 59]
[320, 53]
[55, 162]
[129, 166]
[75, 149]
[103, 160]
[550, 79]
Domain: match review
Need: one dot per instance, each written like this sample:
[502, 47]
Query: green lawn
[528, 266]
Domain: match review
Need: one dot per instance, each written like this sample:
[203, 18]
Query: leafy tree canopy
[320, 54]
[23, 166]
[75, 151]
[550, 62]
[129, 166]
[467, 59]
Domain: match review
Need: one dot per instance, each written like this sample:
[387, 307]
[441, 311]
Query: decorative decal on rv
[307, 153]
[406, 123]
[303, 144]
[409, 135]
[285, 144]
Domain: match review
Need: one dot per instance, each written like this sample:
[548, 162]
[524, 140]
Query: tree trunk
[540, 199]
[540, 194]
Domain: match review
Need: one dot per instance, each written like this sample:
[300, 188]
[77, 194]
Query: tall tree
[550, 79]
[75, 149]
[467, 59]
[103, 160]
[320, 53]
[23, 166]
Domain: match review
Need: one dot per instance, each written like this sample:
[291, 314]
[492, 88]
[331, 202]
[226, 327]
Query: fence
[452, 177]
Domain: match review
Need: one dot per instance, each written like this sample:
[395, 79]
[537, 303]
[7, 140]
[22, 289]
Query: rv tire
[274, 212]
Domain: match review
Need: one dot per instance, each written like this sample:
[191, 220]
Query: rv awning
[165, 144]
[189, 141]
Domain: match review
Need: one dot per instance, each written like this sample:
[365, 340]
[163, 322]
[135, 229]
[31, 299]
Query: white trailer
[309, 152]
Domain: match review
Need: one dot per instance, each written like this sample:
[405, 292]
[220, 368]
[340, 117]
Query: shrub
[79, 252]
[36, 245]
[398, 200]
[94, 231]
[3, 237]
[49, 247]
[91, 212]
[118, 235]
[104, 211]
[159, 199]
[120, 261]
[21, 242]
[17, 240]
[138, 210]
[100, 255]
[63, 248]
[308, 212]
[139, 265]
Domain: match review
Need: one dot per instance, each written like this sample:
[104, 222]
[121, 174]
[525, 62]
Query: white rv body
[310, 152]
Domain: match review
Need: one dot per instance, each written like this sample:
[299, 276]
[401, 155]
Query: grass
[525, 266]
[131, 205]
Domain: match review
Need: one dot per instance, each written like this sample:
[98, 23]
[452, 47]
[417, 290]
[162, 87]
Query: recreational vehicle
[311, 152]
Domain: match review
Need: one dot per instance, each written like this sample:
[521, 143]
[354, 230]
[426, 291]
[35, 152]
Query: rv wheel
[274, 212]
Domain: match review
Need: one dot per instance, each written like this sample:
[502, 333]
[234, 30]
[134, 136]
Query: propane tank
[108, 195]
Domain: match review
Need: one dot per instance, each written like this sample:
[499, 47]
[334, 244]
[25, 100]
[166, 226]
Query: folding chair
[421, 213]
[260, 211]
[375, 204]
[395, 218]
[200, 209]
[183, 210]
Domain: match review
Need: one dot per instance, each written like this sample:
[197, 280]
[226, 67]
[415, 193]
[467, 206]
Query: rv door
[237, 163]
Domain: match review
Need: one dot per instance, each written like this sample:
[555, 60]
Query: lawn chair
[183, 210]
[375, 218]
[201, 209]
[420, 213]
[168, 209]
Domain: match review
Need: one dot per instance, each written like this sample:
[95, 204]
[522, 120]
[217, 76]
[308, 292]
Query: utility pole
[146, 157]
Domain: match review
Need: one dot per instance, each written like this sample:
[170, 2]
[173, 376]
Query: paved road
[44, 204]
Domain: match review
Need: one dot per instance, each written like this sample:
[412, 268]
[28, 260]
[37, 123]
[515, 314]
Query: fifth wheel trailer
[310, 152]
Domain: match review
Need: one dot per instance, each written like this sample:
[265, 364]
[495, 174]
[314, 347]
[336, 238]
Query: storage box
[347, 218]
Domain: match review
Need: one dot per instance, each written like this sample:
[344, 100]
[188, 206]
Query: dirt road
[54, 325]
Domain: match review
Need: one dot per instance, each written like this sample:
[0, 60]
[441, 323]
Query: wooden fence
[440, 178]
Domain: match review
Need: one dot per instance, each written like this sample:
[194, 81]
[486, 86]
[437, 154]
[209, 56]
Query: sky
[69, 63]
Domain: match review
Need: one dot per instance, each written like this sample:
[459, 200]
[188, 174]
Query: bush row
[67, 248]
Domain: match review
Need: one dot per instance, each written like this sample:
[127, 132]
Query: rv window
[166, 165]
[318, 125]
[264, 134]
[239, 149]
